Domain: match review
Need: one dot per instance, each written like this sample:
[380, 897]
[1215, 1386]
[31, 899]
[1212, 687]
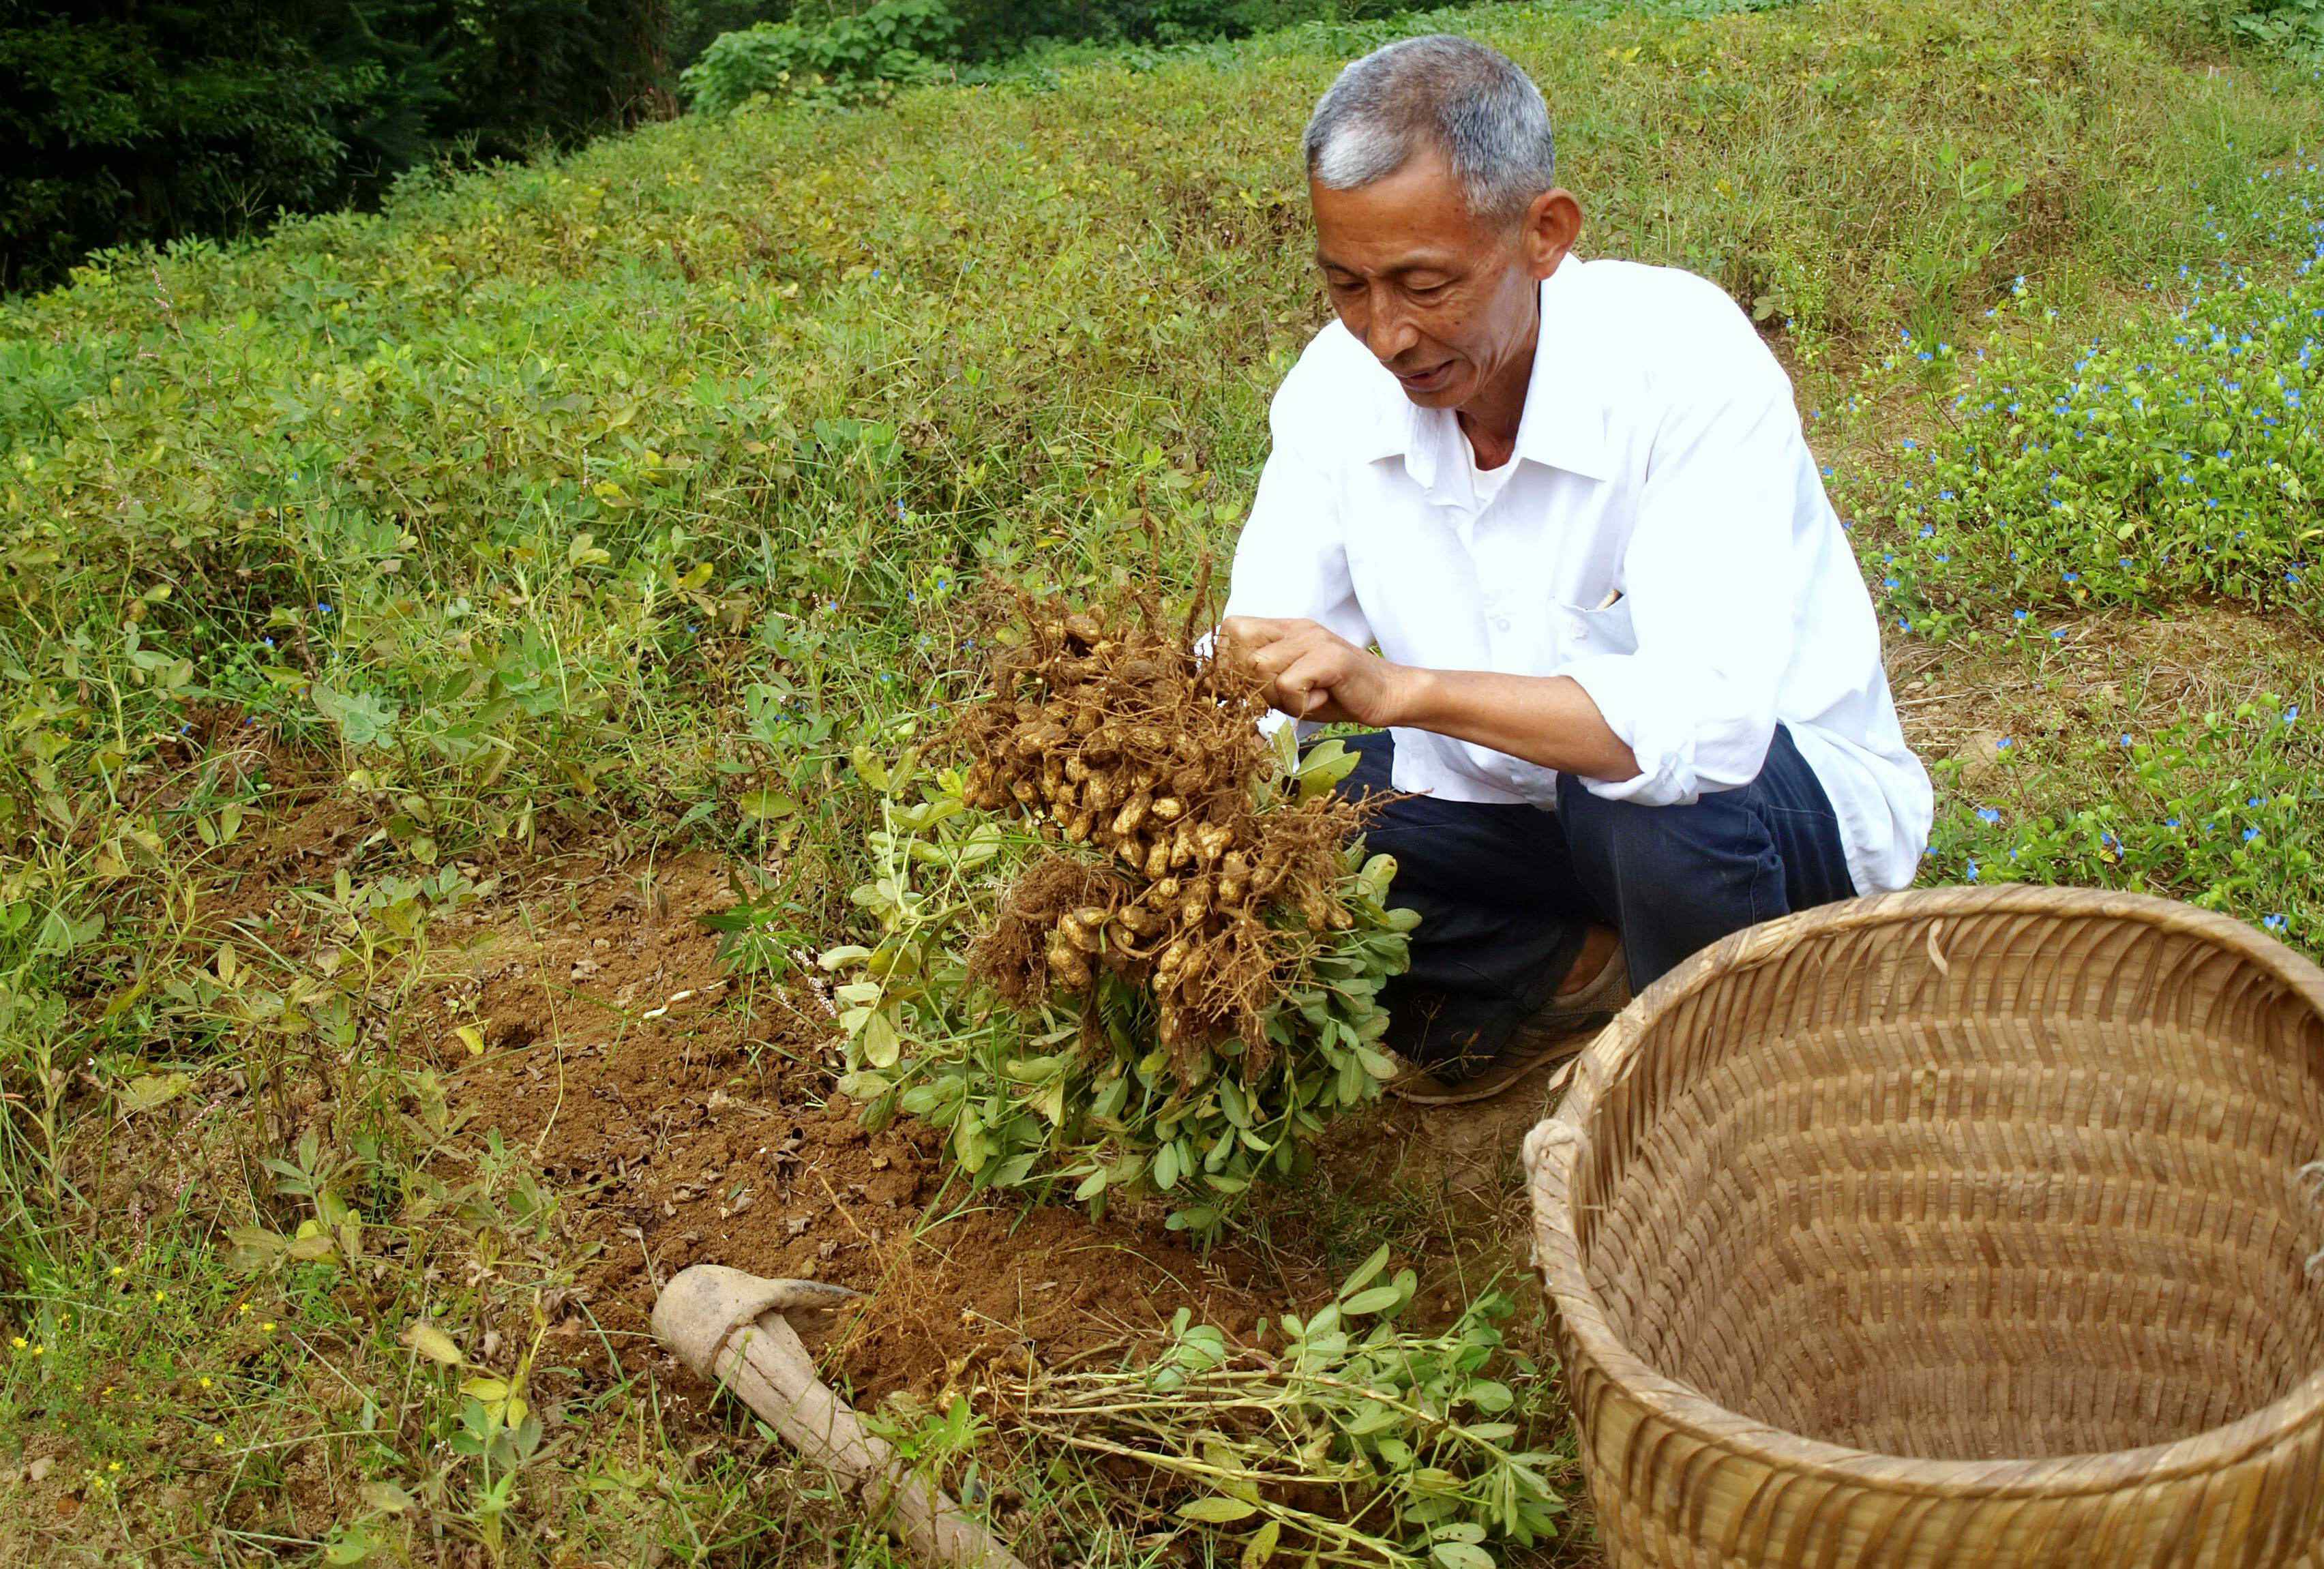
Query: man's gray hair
[1469, 100]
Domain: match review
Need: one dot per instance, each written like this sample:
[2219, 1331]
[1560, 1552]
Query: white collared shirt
[1664, 540]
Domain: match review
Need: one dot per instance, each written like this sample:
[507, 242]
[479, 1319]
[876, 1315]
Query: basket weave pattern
[1954, 1227]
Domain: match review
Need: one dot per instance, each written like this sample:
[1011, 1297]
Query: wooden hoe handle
[729, 1327]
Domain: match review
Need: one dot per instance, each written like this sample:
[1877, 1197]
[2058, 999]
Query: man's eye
[1426, 291]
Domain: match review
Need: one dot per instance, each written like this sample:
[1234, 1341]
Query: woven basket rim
[1554, 1149]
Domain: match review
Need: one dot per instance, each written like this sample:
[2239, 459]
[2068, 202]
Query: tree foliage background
[145, 121]
[149, 120]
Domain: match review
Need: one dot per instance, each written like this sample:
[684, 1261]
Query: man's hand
[1314, 673]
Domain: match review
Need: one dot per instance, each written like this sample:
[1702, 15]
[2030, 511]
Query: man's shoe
[1558, 1030]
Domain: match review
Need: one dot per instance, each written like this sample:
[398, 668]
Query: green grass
[613, 499]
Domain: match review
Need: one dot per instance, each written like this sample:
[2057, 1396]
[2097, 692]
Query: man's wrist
[1412, 698]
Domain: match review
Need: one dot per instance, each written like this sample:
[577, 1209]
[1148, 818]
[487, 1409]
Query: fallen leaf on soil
[149, 1092]
[431, 1342]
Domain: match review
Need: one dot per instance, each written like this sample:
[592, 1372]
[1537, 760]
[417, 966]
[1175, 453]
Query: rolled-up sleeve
[1708, 577]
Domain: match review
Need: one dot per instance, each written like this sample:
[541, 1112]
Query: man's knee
[1610, 838]
[1714, 854]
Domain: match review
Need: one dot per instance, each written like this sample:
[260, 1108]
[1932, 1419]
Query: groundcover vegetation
[643, 500]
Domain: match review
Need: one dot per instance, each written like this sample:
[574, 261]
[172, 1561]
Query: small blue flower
[1970, 872]
[1888, 583]
[2169, 822]
[2021, 615]
[322, 607]
[2250, 834]
[2126, 738]
[1909, 445]
[1989, 814]
[2072, 577]
[2058, 636]
[2256, 801]
[2274, 923]
[2292, 715]
[2005, 743]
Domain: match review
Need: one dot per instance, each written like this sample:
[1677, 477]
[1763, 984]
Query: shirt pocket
[1604, 631]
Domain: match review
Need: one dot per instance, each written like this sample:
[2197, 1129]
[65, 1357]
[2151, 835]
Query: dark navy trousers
[1507, 893]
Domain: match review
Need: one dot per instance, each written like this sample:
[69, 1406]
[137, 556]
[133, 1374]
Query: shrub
[2295, 27]
[894, 41]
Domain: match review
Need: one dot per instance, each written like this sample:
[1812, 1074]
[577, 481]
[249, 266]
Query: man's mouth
[1425, 380]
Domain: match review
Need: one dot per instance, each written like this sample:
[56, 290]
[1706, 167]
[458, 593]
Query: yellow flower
[114, 1466]
[205, 1382]
[161, 1297]
[218, 1439]
[39, 1351]
[102, 1393]
[242, 1307]
[119, 1271]
[267, 1327]
[20, 1342]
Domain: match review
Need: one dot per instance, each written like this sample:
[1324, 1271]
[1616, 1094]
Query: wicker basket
[1958, 1227]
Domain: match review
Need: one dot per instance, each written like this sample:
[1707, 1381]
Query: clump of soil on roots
[1118, 738]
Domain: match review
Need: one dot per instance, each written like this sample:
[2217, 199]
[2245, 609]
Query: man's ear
[1551, 223]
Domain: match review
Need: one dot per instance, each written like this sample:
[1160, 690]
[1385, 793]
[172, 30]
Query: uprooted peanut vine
[1353, 1439]
[1222, 870]
[1183, 937]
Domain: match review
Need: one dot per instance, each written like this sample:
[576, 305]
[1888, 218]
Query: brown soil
[708, 1135]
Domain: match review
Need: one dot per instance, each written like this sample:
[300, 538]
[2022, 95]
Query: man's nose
[1387, 332]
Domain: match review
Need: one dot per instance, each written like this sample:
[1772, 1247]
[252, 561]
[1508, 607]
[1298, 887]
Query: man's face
[1446, 301]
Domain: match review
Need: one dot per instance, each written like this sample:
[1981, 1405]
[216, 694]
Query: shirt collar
[1564, 421]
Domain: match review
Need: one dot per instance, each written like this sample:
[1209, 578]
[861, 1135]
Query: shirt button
[1502, 622]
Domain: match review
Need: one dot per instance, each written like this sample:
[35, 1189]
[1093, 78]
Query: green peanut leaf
[1217, 1511]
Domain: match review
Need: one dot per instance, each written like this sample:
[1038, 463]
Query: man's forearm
[1548, 720]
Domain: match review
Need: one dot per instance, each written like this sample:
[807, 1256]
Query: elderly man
[1624, 656]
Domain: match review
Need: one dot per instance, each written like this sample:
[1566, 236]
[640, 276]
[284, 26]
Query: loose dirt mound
[704, 1135]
